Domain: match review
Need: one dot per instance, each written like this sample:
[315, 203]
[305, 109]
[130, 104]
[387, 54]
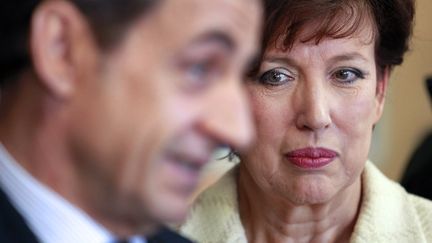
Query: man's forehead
[238, 11]
[178, 24]
[190, 4]
[190, 17]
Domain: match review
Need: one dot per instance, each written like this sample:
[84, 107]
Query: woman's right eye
[274, 77]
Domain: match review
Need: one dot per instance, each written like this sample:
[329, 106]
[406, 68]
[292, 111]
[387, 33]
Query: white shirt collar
[49, 216]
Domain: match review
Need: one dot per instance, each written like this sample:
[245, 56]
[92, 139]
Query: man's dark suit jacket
[13, 228]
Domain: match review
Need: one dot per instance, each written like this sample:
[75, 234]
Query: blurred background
[407, 115]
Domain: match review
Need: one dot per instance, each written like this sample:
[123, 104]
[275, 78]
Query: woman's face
[315, 106]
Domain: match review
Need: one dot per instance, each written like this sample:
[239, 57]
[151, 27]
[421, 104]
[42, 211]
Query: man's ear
[59, 35]
[381, 90]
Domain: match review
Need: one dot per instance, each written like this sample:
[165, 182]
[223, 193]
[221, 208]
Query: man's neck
[34, 130]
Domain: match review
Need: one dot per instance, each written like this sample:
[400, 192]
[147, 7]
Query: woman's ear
[58, 30]
[381, 90]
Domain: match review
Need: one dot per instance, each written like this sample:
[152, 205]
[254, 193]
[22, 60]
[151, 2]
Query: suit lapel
[13, 227]
[167, 236]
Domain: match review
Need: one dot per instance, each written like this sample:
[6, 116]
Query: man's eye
[198, 71]
[199, 74]
[274, 77]
[347, 75]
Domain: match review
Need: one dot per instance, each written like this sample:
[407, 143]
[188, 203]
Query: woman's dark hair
[107, 18]
[392, 22]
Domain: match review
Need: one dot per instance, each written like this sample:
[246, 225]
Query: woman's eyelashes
[347, 75]
[281, 76]
[275, 77]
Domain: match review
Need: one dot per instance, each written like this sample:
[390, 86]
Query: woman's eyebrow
[283, 60]
[342, 57]
[349, 57]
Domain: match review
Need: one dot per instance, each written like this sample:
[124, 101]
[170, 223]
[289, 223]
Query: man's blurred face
[150, 112]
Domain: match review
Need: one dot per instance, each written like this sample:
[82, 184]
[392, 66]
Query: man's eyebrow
[217, 37]
[253, 63]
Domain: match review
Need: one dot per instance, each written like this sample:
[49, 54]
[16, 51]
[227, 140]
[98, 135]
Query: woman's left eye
[275, 77]
[347, 75]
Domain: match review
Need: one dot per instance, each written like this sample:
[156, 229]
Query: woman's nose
[313, 107]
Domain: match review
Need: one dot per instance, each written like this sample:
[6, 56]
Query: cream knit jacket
[388, 213]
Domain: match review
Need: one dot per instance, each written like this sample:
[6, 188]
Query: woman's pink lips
[311, 158]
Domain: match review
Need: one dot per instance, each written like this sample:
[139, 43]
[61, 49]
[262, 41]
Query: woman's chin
[309, 198]
[311, 194]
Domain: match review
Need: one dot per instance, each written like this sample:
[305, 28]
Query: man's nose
[228, 117]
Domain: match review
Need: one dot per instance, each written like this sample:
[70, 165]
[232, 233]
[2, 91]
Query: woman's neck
[269, 218]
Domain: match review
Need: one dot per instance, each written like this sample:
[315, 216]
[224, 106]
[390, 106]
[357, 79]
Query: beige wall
[408, 111]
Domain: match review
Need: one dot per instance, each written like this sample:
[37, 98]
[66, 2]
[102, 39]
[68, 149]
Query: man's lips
[196, 164]
[192, 163]
[184, 171]
[311, 158]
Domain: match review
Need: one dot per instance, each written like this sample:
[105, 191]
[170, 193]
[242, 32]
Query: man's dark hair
[107, 18]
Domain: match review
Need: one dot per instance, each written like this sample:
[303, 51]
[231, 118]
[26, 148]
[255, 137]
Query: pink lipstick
[311, 158]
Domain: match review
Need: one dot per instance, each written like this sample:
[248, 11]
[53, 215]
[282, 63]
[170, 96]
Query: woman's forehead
[313, 33]
[346, 21]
